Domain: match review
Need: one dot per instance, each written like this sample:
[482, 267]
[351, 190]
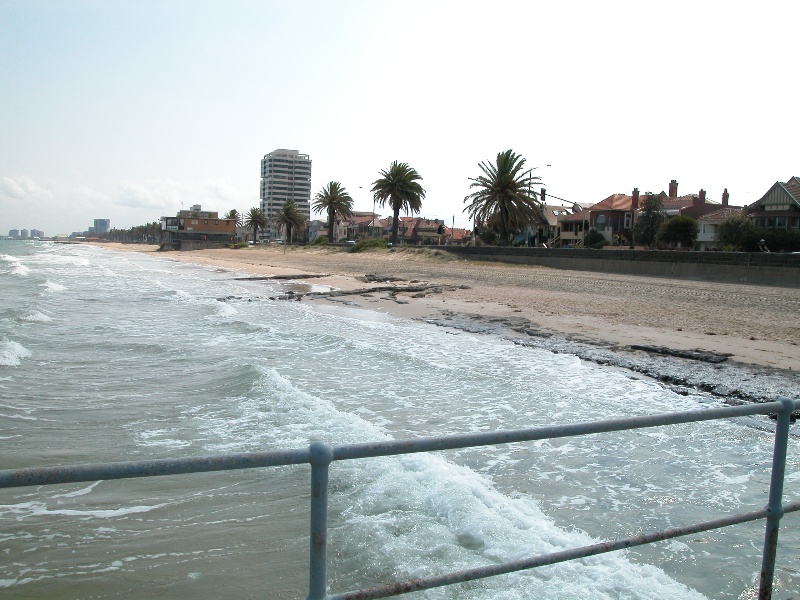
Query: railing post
[321, 457]
[774, 505]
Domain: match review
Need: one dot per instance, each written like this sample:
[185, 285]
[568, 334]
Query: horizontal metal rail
[320, 456]
[251, 460]
[415, 585]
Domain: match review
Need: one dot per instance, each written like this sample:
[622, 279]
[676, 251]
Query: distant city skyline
[133, 110]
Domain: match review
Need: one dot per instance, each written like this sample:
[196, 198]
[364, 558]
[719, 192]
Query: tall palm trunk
[330, 225]
[395, 224]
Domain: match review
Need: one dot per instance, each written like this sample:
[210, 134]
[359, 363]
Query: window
[628, 219]
[600, 222]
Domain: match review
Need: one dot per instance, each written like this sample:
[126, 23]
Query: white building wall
[285, 175]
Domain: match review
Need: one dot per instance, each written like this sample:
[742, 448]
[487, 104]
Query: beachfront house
[707, 226]
[572, 228]
[421, 232]
[613, 217]
[196, 228]
[361, 224]
[457, 236]
[779, 208]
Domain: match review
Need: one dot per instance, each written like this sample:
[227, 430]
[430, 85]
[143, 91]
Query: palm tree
[289, 217]
[503, 199]
[234, 214]
[255, 220]
[334, 200]
[399, 188]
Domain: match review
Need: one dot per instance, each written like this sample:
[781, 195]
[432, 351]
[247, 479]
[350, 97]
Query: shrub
[321, 240]
[594, 239]
[678, 230]
[369, 243]
[738, 232]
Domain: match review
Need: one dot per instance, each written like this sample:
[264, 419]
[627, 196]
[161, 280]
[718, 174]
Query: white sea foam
[12, 353]
[37, 317]
[52, 286]
[37, 508]
[81, 492]
[20, 269]
[414, 513]
[278, 375]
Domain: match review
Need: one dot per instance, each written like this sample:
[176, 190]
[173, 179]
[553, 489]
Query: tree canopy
[502, 200]
[737, 233]
[235, 215]
[334, 200]
[398, 186]
[255, 220]
[290, 218]
[649, 220]
[678, 231]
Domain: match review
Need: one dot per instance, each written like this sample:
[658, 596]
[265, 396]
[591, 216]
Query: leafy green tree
[289, 218]
[502, 198]
[335, 201]
[737, 232]
[678, 230]
[398, 186]
[255, 219]
[649, 220]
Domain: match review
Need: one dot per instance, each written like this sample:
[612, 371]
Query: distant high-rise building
[37, 233]
[13, 233]
[285, 175]
[102, 226]
[23, 233]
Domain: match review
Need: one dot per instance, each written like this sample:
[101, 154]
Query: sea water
[109, 356]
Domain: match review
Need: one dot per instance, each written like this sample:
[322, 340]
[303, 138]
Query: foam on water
[415, 513]
[156, 364]
[37, 317]
[12, 353]
[52, 286]
[38, 509]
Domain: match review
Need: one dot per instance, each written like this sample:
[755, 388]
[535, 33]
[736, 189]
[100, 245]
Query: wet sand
[756, 325]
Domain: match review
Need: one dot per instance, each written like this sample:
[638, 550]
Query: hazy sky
[130, 110]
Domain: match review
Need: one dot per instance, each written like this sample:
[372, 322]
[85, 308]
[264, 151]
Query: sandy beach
[756, 325]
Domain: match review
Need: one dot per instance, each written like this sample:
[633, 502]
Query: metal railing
[320, 455]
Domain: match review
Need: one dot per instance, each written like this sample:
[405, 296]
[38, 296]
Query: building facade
[779, 208]
[102, 226]
[196, 226]
[285, 175]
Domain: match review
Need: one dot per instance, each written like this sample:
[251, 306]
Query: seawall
[772, 269]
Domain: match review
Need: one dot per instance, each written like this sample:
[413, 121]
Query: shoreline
[596, 316]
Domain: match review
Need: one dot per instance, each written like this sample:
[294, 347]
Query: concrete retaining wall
[729, 267]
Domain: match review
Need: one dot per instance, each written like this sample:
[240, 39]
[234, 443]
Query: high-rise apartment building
[102, 226]
[285, 175]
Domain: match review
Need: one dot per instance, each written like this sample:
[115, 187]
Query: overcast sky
[130, 110]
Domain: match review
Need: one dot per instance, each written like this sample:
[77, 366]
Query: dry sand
[757, 325]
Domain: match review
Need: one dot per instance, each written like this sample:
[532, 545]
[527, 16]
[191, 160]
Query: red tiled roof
[458, 234]
[793, 187]
[552, 212]
[681, 201]
[577, 217]
[722, 213]
[615, 202]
